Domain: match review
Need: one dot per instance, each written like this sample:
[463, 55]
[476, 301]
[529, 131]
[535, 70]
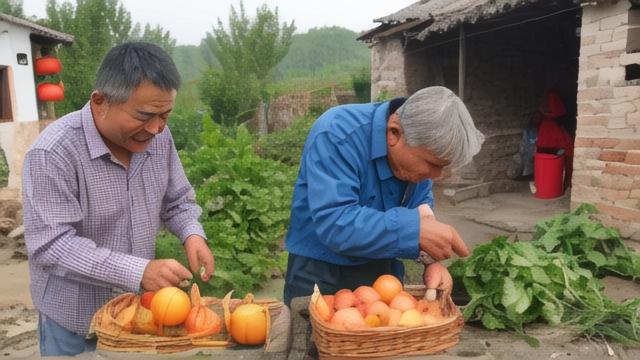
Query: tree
[231, 97]
[12, 7]
[97, 25]
[155, 35]
[248, 52]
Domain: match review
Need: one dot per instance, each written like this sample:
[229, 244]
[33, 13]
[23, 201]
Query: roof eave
[39, 30]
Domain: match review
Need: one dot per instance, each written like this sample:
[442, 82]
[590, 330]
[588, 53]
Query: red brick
[583, 142]
[616, 182]
[613, 195]
[606, 143]
[622, 169]
[613, 155]
[625, 214]
[627, 144]
[633, 157]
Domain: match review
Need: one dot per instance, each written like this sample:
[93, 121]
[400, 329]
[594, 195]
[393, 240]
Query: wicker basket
[388, 342]
[112, 337]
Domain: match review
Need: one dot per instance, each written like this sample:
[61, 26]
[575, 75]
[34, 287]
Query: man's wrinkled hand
[436, 276]
[200, 256]
[162, 273]
[441, 241]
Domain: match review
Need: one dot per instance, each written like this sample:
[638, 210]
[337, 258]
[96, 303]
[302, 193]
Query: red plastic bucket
[548, 170]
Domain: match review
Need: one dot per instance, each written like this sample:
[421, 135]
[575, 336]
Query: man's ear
[394, 130]
[99, 104]
[97, 98]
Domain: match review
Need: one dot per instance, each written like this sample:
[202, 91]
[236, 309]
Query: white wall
[13, 40]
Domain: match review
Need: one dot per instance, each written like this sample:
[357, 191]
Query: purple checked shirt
[91, 223]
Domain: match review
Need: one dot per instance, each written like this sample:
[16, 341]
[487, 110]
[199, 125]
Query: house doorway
[512, 62]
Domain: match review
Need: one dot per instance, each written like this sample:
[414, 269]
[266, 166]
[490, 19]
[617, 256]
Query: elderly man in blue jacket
[363, 195]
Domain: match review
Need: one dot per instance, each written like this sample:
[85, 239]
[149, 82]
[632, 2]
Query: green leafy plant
[246, 202]
[4, 170]
[232, 98]
[383, 95]
[361, 83]
[512, 284]
[186, 128]
[596, 247]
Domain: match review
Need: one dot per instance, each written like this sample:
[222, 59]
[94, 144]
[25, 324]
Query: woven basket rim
[124, 336]
[387, 341]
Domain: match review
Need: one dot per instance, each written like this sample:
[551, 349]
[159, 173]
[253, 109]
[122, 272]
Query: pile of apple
[385, 303]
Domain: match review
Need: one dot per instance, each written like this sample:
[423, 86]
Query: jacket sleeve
[51, 208]
[333, 168]
[423, 194]
[180, 212]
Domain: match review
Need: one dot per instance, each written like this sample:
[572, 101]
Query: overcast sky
[190, 20]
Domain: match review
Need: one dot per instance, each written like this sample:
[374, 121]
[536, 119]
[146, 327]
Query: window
[6, 113]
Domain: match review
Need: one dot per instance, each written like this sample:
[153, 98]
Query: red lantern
[48, 65]
[50, 92]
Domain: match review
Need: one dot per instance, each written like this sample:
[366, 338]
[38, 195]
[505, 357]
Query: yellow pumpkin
[249, 324]
[170, 306]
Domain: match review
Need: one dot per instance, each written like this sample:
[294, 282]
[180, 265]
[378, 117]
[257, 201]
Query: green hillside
[321, 53]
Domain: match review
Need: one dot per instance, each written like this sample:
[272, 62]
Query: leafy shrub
[4, 170]
[246, 202]
[232, 98]
[286, 145]
[361, 83]
[384, 95]
[185, 129]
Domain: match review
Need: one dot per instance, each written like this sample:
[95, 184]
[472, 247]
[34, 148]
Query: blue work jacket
[347, 206]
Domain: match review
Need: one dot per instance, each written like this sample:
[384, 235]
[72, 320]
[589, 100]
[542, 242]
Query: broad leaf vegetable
[553, 279]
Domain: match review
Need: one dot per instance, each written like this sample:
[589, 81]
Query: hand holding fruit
[163, 273]
[436, 276]
[438, 239]
[199, 256]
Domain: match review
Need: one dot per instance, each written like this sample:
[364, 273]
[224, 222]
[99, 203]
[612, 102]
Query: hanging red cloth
[551, 136]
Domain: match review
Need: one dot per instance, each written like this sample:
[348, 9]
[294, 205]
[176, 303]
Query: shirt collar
[97, 147]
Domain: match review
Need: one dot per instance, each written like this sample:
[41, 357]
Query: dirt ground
[477, 220]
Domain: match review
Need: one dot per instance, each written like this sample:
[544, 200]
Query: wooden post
[462, 55]
[261, 118]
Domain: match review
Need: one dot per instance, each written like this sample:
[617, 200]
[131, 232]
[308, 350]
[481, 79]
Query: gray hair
[128, 65]
[436, 119]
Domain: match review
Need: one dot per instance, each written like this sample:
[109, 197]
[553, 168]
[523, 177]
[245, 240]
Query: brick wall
[387, 65]
[607, 146]
[283, 110]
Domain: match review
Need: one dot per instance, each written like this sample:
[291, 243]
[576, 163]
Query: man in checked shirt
[98, 184]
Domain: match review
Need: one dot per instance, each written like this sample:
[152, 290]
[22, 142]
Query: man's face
[130, 126]
[410, 163]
